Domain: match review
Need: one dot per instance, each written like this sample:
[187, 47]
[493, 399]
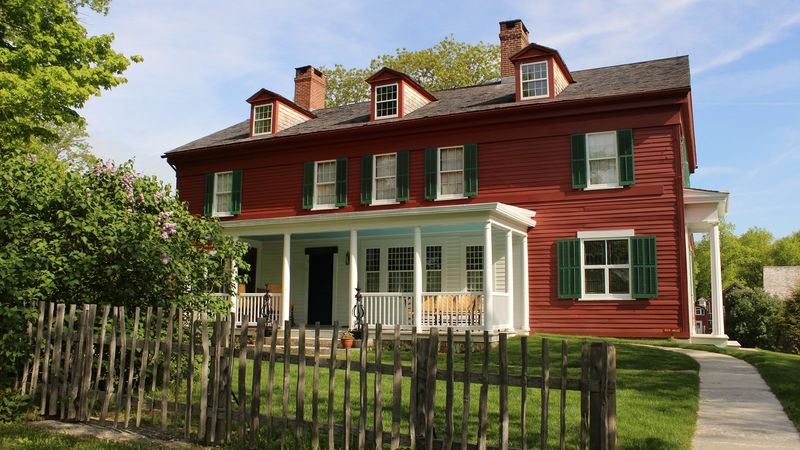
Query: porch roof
[500, 214]
[704, 208]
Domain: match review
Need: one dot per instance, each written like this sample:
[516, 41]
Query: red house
[549, 200]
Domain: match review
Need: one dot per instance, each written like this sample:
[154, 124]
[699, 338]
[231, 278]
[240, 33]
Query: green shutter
[341, 182]
[644, 267]
[366, 179]
[625, 157]
[578, 161]
[471, 170]
[402, 176]
[236, 193]
[208, 204]
[431, 182]
[308, 185]
[569, 268]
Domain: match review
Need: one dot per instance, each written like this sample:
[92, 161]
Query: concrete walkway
[737, 409]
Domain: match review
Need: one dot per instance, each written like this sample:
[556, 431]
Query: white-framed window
[373, 270]
[606, 268]
[386, 101]
[262, 119]
[223, 194]
[384, 186]
[474, 268]
[534, 80]
[325, 184]
[433, 268]
[601, 160]
[699, 311]
[401, 269]
[451, 172]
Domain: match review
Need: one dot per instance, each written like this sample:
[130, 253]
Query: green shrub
[751, 316]
[789, 326]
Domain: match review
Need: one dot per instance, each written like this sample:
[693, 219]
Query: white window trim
[589, 185]
[322, 206]
[546, 79]
[439, 195]
[604, 236]
[391, 201]
[271, 119]
[396, 100]
[214, 212]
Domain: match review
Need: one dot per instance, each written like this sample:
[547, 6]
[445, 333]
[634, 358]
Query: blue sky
[202, 59]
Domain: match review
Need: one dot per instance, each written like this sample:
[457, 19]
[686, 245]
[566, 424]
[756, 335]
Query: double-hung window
[262, 119]
[451, 172]
[474, 268]
[386, 101]
[601, 156]
[223, 194]
[373, 269]
[325, 184]
[433, 268]
[533, 80]
[401, 269]
[606, 269]
[385, 184]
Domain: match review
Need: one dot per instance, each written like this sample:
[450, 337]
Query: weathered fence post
[602, 410]
[420, 393]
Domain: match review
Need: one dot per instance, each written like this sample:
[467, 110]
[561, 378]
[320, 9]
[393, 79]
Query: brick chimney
[513, 38]
[309, 88]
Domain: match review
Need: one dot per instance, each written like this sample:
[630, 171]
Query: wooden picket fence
[127, 375]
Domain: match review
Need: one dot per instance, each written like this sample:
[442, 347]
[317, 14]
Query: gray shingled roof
[636, 78]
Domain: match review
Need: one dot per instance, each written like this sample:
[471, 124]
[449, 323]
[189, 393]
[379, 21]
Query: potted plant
[347, 339]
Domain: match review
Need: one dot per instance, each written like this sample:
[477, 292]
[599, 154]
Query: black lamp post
[358, 314]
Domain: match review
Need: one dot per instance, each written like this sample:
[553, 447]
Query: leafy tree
[786, 250]
[70, 146]
[50, 66]
[789, 324]
[448, 64]
[751, 316]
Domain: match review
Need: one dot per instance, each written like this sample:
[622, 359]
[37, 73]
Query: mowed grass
[24, 436]
[657, 396]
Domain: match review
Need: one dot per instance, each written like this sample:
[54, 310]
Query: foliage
[69, 146]
[448, 64]
[786, 251]
[50, 66]
[789, 324]
[751, 316]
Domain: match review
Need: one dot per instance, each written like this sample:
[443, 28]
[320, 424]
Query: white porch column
[353, 280]
[418, 277]
[488, 278]
[526, 322]
[716, 283]
[285, 278]
[510, 278]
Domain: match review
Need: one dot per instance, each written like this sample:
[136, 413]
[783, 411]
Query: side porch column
[510, 278]
[526, 305]
[488, 278]
[353, 279]
[285, 278]
[418, 277]
[716, 283]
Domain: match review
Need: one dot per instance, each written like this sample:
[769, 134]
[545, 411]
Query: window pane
[619, 281]
[451, 159]
[474, 257]
[603, 171]
[401, 258]
[433, 257]
[385, 189]
[434, 281]
[536, 71]
[452, 183]
[595, 281]
[373, 281]
[401, 281]
[386, 101]
[223, 203]
[601, 145]
[618, 251]
[594, 253]
[475, 281]
[326, 172]
[373, 262]
[385, 166]
[326, 194]
[224, 182]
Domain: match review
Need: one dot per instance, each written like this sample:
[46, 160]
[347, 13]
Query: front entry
[320, 285]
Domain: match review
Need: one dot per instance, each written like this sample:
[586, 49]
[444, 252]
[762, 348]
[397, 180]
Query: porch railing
[256, 306]
[388, 308]
[450, 309]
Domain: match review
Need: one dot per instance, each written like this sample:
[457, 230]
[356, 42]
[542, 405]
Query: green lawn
[24, 436]
[657, 397]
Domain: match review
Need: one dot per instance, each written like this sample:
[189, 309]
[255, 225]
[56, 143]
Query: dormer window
[386, 101]
[262, 119]
[533, 80]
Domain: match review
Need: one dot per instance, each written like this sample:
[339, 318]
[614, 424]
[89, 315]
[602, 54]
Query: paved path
[737, 409]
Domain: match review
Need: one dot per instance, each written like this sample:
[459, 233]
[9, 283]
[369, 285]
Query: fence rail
[105, 364]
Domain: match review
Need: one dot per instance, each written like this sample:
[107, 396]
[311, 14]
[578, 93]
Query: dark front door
[320, 285]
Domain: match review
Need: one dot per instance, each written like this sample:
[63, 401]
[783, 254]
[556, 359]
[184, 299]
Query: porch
[461, 266]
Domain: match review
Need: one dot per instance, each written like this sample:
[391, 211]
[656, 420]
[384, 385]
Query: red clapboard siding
[526, 164]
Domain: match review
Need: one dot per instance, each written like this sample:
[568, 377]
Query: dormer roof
[533, 50]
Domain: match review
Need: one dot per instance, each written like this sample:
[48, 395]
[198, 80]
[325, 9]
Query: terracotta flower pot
[347, 343]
